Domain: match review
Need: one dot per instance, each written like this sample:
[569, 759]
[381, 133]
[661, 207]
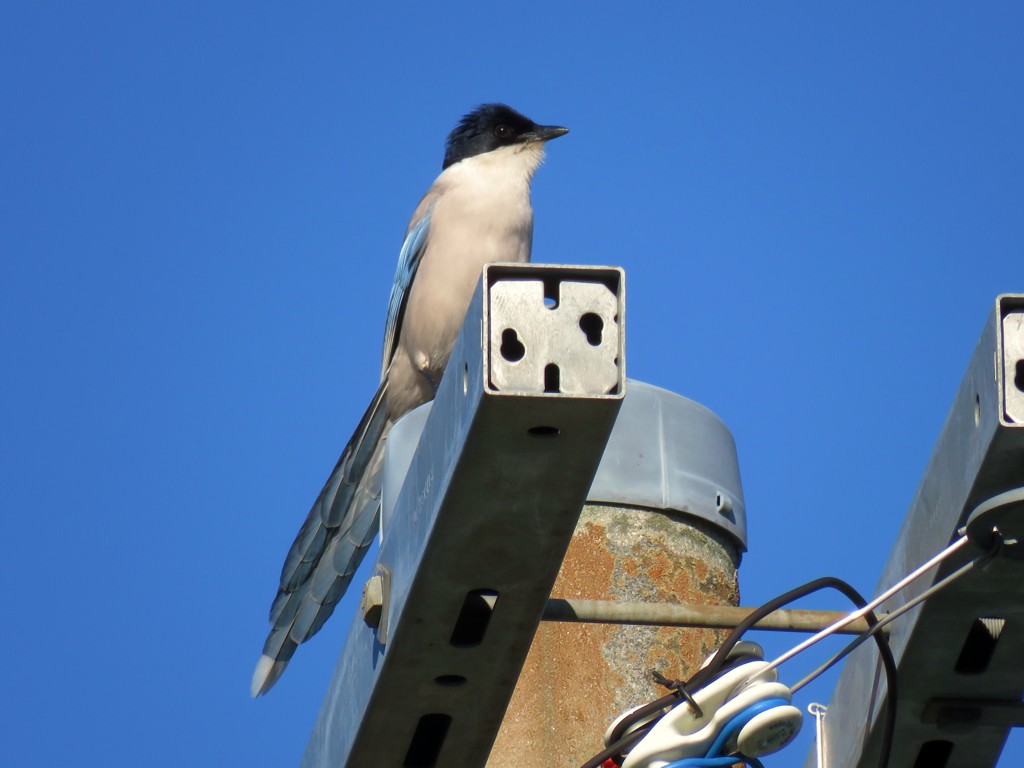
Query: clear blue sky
[201, 205]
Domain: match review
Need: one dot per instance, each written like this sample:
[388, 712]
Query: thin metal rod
[691, 615]
[819, 711]
[861, 612]
[895, 614]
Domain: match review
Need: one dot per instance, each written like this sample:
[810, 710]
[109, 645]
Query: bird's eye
[503, 131]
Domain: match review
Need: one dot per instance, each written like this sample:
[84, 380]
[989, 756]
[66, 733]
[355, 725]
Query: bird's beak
[546, 133]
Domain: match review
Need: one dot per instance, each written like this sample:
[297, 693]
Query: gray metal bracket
[479, 528]
[965, 643]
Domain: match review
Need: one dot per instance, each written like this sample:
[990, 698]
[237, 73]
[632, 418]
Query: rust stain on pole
[578, 677]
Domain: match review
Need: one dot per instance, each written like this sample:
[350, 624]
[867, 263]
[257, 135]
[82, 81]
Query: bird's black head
[492, 126]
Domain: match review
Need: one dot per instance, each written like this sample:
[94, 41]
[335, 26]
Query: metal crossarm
[959, 654]
[480, 526]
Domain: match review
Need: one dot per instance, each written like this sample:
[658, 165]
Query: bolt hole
[977, 410]
[465, 378]
[934, 754]
[512, 348]
[1018, 380]
[551, 294]
[592, 326]
[543, 431]
[980, 645]
[552, 378]
[450, 681]
[427, 740]
[471, 623]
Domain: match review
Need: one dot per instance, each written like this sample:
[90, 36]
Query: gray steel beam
[477, 534]
[966, 643]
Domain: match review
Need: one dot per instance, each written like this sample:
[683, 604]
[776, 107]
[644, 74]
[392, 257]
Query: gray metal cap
[665, 452]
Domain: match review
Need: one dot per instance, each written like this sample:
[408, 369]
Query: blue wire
[715, 762]
[714, 758]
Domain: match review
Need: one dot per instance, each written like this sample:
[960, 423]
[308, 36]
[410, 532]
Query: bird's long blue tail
[329, 546]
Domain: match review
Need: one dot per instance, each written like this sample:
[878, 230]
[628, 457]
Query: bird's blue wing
[408, 262]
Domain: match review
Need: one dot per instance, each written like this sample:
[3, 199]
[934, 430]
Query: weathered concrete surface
[578, 677]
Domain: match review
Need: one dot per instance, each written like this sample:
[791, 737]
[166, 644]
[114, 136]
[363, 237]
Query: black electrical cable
[620, 742]
[616, 749]
[884, 651]
[717, 662]
[981, 561]
[667, 701]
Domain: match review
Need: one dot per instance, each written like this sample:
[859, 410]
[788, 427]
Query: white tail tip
[266, 674]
